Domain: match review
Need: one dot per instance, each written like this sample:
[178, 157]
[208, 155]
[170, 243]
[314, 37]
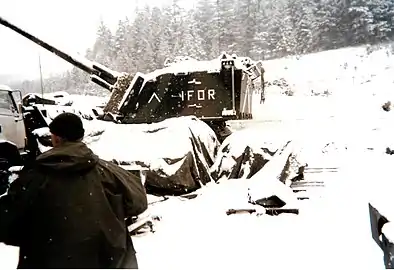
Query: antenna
[41, 81]
[219, 31]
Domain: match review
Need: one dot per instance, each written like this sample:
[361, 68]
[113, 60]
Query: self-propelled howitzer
[215, 91]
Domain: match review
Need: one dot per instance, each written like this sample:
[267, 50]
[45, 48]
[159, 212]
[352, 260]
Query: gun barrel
[46, 46]
[95, 70]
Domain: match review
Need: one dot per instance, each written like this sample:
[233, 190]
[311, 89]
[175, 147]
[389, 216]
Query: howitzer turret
[215, 91]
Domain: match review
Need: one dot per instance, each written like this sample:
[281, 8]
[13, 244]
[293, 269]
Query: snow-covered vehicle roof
[5, 87]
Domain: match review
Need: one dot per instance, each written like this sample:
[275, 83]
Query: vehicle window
[5, 101]
[17, 98]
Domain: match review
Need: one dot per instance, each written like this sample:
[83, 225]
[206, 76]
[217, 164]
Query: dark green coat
[67, 210]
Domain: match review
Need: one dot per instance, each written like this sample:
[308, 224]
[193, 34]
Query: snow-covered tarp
[270, 181]
[176, 153]
[247, 151]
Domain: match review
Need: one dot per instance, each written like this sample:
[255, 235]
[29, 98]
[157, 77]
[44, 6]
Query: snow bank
[335, 72]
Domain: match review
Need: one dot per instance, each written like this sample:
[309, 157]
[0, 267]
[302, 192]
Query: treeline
[256, 28]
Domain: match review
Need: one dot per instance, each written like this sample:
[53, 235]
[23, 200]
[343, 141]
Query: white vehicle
[17, 139]
[12, 126]
[12, 133]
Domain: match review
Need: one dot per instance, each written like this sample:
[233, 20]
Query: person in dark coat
[68, 208]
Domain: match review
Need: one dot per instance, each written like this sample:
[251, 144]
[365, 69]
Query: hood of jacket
[69, 157]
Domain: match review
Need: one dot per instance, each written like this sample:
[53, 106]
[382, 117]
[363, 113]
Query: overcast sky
[68, 24]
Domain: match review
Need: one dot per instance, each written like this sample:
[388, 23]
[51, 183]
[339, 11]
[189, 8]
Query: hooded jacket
[68, 209]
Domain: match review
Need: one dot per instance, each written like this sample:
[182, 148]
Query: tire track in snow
[314, 182]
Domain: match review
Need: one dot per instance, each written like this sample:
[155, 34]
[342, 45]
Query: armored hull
[216, 90]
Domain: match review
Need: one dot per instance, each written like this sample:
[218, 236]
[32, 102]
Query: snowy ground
[332, 230]
[346, 129]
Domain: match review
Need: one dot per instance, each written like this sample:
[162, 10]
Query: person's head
[66, 127]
